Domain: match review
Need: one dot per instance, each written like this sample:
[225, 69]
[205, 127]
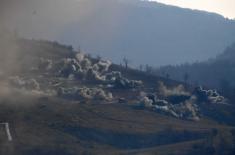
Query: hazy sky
[223, 7]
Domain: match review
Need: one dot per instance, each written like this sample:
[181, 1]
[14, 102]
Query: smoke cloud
[175, 91]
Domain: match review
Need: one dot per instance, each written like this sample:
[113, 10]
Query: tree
[226, 88]
[140, 67]
[148, 69]
[224, 85]
[167, 75]
[186, 77]
[126, 62]
[163, 73]
[79, 49]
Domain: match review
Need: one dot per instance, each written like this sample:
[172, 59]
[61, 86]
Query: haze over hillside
[56, 101]
[144, 32]
[216, 73]
[59, 100]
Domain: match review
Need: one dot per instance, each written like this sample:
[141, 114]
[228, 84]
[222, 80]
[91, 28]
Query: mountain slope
[217, 72]
[51, 112]
[144, 32]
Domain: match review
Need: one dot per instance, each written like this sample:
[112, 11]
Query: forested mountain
[144, 32]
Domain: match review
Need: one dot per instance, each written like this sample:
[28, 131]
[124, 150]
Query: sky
[223, 7]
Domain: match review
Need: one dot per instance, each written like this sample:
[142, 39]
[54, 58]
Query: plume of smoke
[209, 96]
[175, 91]
[84, 93]
[30, 84]
[9, 54]
[146, 102]
[79, 57]
[179, 103]
[45, 64]
[86, 64]
[102, 66]
[95, 76]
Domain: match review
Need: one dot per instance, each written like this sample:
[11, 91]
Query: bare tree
[163, 73]
[186, 77]
[141, 67]
[79, 49]
[167, 75]
[148, 69]
[126, 62]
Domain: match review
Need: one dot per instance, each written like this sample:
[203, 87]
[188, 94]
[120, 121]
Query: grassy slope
[49, 125]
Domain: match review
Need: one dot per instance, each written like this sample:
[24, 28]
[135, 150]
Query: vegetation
[215, 73]
[43, 123]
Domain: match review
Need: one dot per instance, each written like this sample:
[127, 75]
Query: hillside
[61, 102]
[144, 32]
[212, 73]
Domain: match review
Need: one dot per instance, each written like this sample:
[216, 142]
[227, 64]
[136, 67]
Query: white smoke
[85, 93]
[178, 90]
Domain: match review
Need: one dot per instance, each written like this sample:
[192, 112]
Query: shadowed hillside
[144, 32]
[217, 72]
[61, 102]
